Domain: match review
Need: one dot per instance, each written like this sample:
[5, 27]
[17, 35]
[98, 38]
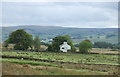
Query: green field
[80, 64]
[66, 57]
[26, 69]
[29, 62]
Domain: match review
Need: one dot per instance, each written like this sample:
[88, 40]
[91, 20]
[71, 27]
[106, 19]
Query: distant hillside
[77, 34]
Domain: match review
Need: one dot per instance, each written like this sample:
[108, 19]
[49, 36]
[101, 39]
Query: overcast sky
[67, 14]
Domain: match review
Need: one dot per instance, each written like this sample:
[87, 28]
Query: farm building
[65, 47]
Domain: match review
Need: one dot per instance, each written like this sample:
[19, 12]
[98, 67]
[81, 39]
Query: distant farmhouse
[65, 47]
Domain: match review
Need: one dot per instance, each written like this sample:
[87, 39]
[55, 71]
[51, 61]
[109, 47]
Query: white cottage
[65, 47]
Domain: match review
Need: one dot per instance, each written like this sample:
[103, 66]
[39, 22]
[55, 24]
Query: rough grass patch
[29, 62]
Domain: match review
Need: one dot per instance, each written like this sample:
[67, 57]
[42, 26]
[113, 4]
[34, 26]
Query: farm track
[61, 62]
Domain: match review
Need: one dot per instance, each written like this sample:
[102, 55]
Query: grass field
[64, 63]
[18, 69]
[22, 67]
[66, 57]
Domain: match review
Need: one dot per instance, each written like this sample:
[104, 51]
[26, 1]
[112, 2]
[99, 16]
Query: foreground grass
[67, 57]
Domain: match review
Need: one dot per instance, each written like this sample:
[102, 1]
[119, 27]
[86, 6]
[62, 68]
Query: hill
[78, 34]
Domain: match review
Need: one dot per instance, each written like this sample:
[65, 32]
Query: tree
[21, 39]
[102, 45]
[85, 46]
[70, 42]
[37, 43]
[57, 41]
[49, 48]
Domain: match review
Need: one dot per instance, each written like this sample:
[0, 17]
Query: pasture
[54, 63]
[25, 67]
[66, 57]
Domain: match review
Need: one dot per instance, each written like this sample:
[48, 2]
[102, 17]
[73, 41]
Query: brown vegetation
[65, 69]
[104, 51]
[17, 69]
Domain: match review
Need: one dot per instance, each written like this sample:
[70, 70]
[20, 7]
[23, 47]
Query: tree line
[24, 41]
[106, 45]
[101, 44]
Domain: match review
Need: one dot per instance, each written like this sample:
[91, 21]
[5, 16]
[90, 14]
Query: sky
[65, 14]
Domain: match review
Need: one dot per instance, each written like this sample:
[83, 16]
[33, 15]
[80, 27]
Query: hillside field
[77, 34]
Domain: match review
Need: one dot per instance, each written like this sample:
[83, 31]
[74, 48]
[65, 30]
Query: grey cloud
[61, 13]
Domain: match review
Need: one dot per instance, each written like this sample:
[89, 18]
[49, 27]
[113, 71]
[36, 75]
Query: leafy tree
[85, 46]
[49, 48]
[57, 41]
[70, 42]
[37, 43]
[21, 39]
